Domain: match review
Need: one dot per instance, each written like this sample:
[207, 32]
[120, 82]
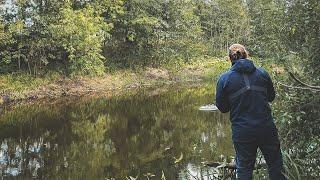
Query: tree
[155, 32]
[268, 27]
[81, 33]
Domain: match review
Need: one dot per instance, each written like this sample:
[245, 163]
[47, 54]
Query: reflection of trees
[29, 139]
[90, 151]
[193, 171]
[151, 124]
[124, 136]
[16, 157]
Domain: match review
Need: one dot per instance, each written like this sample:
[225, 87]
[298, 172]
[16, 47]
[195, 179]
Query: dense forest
[91, 37]
[86, 37]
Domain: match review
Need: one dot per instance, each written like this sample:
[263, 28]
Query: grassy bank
[20, 87]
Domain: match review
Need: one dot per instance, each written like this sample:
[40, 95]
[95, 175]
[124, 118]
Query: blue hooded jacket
[246, 91]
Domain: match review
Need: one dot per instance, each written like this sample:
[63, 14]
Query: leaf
[163, 177]
[149, 175]
[133, 178]
[179, 159]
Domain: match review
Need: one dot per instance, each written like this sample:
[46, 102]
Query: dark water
[149, 133]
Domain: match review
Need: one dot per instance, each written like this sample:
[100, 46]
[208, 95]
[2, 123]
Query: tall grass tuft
[292, 168]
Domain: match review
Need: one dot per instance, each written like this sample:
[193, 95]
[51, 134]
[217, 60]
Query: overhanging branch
[303, 83]
[298, 87]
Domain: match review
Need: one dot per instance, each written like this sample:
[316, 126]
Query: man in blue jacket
[246, 91]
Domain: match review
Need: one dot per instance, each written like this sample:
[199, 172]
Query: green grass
[21, 85]
[18, 84]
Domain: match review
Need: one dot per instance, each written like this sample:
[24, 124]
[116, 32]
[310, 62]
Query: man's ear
[227, 58]
[232, 57]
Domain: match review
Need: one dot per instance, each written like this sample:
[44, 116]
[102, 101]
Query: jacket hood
[243, 66]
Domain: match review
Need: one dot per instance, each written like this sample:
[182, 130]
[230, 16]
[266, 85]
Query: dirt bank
[63, 86]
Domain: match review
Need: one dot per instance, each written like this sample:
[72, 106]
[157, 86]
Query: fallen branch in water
[194, 177]
[298, 87]
[221, 165]
[231, 165]
[303, 83]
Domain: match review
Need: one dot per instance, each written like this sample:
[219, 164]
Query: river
[146, 133]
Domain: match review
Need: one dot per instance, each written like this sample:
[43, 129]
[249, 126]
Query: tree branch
[298, 87]
[303, 83]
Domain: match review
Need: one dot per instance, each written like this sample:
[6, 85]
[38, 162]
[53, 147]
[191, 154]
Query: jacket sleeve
[222, 100]
[271, 94]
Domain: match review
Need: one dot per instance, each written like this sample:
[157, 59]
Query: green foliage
[267, 30]
[17, 84]
[292, 169]
[5, 40]
[155, 32]
[82, 34]
[224, 22]
[85, 37]
[38, 36]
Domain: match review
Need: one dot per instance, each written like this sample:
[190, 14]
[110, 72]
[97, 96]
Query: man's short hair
[237, 51]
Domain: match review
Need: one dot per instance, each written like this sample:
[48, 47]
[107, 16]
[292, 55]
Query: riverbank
[25, 88]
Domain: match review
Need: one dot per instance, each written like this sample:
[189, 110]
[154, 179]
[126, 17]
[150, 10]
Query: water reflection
[141, 134]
